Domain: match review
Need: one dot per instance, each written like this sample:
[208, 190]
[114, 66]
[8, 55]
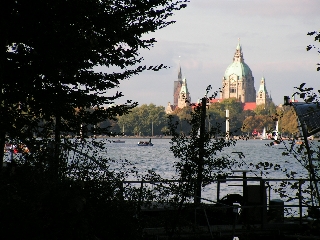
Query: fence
[267, 196]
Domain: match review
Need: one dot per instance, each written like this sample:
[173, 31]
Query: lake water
[160, 159]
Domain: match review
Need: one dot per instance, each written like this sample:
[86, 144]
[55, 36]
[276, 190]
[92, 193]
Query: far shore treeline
[152, 120]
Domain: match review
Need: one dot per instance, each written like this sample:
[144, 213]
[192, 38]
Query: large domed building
[238, 81]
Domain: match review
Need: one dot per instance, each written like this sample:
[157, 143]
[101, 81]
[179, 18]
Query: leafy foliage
[49, 60]
[198, 153]
[50, 87]
[143, 120]
[316, 39]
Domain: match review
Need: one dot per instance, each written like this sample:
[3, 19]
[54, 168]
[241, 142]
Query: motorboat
[118, 141]
[142, 143]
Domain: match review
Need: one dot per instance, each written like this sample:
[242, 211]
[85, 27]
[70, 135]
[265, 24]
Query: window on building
[233, 88]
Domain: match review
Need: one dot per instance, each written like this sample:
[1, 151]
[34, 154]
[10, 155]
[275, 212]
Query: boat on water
[142, 143]
[118, 141]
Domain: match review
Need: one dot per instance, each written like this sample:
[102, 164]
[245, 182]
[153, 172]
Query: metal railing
[299, 195]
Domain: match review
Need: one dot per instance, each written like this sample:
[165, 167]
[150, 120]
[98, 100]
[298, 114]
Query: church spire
[262, 87]
[180, 74]
[263, 97]
[238, 46]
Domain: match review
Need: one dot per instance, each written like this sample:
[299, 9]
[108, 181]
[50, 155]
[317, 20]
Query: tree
[267, 109]
[217, 113]
[49, 85]
[257, 122]
[198, 163]
[145, 119]
[184, 116]
[289, 124]
[48, 61]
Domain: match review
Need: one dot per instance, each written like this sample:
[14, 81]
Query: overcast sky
[273, 35]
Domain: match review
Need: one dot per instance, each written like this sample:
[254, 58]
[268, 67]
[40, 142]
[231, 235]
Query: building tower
[263, 97]
[177, 87]
[184, 98]
[238, 81]
[180, 94]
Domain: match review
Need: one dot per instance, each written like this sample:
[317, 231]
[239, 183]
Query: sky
[273, 36]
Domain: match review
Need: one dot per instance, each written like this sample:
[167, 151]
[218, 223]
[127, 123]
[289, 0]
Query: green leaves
[316, 39]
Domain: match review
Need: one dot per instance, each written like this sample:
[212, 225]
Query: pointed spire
[180, 72]
[238, 56]
[239, 46]
[262, 87]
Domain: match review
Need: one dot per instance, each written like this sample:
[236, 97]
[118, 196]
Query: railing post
[140, 197]
[218, 189]
[300, 203]
[263, 201]
[121, 191]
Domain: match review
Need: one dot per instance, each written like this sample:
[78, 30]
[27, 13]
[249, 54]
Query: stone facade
[180, 94]
[177, 88]
[263, 97]
[184, 99]
[238, 81]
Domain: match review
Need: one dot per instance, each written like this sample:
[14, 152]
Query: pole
[227, 125]
[201, 150]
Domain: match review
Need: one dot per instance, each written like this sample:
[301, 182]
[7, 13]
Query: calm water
[161, 160]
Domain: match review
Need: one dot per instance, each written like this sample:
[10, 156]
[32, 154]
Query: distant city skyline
[273, 36]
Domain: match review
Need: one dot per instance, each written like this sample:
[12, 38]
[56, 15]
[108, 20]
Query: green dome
[238, 68]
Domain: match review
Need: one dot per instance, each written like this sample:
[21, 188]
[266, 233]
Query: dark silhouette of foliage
[316, 35]
[48, 61]
[50, 88]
